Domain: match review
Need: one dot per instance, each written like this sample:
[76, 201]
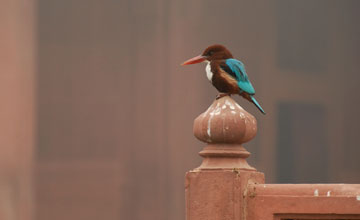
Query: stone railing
[226, 187]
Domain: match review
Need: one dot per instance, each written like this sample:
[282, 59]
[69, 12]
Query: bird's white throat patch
[209, 74]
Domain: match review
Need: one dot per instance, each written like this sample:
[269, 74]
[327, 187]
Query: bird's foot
[220, 95]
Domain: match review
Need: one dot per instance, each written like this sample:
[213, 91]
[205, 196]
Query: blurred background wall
[108, 132]
[17, 108]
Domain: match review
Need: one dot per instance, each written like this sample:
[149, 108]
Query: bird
[226, 74]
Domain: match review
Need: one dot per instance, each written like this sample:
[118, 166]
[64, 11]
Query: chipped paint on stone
[215, 111]
[328, 193]
[209, 125]
[233, 112]
[205, 113]
[224, 107]
[358, 197]
[237, 105]
[316, 192]
[227, 102]
[246, 120]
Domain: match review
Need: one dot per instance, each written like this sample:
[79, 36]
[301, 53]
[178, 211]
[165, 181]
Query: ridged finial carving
[225, 126]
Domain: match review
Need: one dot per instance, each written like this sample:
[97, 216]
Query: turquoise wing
[238, 68]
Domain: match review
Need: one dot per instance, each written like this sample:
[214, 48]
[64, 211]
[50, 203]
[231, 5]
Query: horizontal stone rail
[226, 187]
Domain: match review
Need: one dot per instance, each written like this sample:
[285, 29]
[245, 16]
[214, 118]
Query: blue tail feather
[257, 104]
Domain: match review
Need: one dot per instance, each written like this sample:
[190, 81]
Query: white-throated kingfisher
[225, 73]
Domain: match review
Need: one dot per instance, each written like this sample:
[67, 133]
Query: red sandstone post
[216, 190]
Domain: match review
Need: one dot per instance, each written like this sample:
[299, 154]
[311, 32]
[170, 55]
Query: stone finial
[225, 126]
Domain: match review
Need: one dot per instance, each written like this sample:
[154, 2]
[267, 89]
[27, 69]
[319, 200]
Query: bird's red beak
[197, 59]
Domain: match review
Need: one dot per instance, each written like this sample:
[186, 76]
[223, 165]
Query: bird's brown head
[217, 52]
[214, 52]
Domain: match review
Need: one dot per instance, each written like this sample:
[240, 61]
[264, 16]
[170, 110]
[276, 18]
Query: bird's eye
[211, 53]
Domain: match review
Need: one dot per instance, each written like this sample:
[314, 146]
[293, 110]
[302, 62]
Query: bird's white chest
[209, 74]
